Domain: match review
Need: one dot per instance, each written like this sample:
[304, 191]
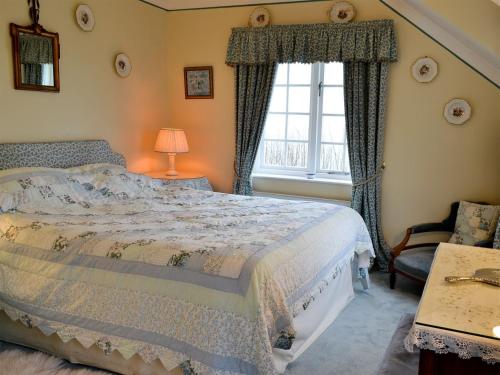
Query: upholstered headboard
[57, 154]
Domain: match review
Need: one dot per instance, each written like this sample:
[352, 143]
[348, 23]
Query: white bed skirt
[310, 324]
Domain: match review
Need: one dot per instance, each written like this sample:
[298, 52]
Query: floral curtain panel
[365, 87]
[35, 49]
[366, 49]
[254, 84]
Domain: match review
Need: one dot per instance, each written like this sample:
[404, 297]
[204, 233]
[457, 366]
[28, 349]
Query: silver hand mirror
[489, 276]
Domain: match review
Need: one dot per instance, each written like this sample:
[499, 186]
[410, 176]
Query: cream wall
[94, 101]
[429, 162]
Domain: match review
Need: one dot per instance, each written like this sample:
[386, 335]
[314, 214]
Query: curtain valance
[35, 49]
[310, 43]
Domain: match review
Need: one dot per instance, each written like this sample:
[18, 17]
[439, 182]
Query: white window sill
[315, 180]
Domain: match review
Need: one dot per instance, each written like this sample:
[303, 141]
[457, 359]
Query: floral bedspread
[204, 280]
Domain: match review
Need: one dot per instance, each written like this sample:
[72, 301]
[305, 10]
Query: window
[305, 126]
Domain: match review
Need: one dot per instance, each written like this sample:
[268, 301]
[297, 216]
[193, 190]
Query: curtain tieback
[371, 178]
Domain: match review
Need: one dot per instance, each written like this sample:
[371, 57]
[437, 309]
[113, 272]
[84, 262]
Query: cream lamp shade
[171, 141]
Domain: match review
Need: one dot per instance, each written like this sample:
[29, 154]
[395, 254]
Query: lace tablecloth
[459, 318]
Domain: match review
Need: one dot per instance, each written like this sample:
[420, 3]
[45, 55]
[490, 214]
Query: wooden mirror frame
[34, 29]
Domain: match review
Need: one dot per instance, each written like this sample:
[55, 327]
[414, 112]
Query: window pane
[299, 99]
[334, 74]
[333, 129]
[281, 74]
[278, 100]
[347, 167]
[333, 100]
[300, 74]
[298, 127]
[275, 126]
[331, 158]
[274, 153]
[296, 154]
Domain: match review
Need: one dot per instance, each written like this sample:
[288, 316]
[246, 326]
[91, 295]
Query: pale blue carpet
[356, 341]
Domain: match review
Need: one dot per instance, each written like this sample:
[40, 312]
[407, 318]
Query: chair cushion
[416, 262]
[475, 222]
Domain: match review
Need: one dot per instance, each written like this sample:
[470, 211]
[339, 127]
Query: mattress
[208, 282]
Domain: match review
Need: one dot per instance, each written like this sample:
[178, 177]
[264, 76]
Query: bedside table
[186, 179]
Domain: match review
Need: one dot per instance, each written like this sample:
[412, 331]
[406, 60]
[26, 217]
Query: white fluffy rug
[21, 362]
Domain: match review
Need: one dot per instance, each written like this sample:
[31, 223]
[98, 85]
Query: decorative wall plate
[84, 17]
[342, 12]
[260, 17]
[424, 69]
[122, 65]
[457, 111]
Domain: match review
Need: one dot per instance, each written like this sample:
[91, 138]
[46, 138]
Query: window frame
[314, 143]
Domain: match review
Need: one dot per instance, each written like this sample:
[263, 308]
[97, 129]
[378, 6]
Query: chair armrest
[420, 228]
[484, 243]
[396, 250]
[430, 227]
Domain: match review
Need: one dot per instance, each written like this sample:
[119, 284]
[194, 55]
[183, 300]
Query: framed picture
[198, 82]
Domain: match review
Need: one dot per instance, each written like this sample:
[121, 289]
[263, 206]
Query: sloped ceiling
[468, 29]
[200, 4]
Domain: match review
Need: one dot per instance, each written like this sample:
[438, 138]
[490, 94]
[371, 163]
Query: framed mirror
[36, 55]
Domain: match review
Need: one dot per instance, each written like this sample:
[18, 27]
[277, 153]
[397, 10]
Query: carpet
[353, 345]
[17, 360]
[398, 361]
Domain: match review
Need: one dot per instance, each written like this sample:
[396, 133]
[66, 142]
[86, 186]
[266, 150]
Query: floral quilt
[206, 281]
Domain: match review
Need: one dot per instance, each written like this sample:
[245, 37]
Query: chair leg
[392, 280]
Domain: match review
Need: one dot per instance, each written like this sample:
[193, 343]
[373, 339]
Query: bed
[114, 269]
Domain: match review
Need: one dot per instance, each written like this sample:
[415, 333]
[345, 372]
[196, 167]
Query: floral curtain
[254, 84]
[35, 49]
[35, 52]
[365, 86]
[366, 49]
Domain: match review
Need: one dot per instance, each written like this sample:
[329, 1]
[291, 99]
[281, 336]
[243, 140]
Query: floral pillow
[112, 181]
[48, 187]
[475, 222]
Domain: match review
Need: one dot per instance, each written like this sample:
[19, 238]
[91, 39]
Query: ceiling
[201, 4]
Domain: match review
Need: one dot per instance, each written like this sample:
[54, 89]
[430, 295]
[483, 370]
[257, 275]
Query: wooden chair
[414, 261]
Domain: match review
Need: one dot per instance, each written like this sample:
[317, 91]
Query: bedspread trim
[211, 359]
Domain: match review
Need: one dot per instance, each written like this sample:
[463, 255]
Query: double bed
[114, 269]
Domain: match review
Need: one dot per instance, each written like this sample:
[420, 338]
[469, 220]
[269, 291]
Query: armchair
[414, 261]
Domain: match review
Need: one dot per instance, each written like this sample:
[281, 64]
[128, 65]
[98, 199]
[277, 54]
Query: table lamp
[171, 141]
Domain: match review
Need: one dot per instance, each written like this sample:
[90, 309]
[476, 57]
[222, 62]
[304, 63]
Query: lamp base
[171, 165]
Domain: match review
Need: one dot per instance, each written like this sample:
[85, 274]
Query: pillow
[496, 241]
[112, 181]
[475, 222]
[36, 186]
